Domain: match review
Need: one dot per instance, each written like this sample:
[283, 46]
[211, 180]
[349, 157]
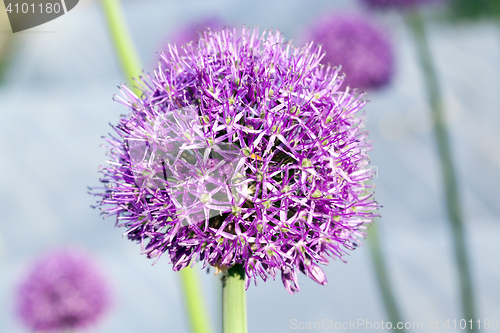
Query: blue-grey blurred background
[56, 103]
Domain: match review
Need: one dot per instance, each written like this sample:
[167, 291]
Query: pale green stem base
[234, 307]
[417, 28]
[383, 277]
[196, 309]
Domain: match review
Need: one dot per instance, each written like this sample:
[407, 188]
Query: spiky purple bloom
[362, 49]
[64, 290]
[192, 31]
[242, 150]
[398, 4]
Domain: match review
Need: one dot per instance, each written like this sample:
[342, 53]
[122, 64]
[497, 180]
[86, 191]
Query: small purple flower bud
[360, 47]
[242, 149]
[290, 280]
[313, 271]
[64, 290]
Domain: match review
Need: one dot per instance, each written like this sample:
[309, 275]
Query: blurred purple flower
[192, 32]
[398, 4]
[64, 290]
[242, 150]
[361, 48]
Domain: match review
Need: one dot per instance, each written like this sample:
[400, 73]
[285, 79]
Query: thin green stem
[195, 306]
[131, 67]
[234, 307]
[417, 28]
[383, 277]
[5, 50]
[122, 40]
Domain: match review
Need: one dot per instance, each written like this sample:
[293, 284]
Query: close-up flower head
[242, 150]
[64, 290]
[344, 149]
[358, 45]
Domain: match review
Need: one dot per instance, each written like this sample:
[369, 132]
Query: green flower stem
[195, 306]
[124, 45]
[417, 28]
[131, 67]
[5, 48]
[234, 307]
[383, 278]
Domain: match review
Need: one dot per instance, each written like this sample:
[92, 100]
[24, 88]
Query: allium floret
[363, 49]
[63, 291]
[242, 149]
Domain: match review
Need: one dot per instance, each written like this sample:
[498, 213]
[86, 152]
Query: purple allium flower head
[361, 48]
[192, 31]
[398, 4]
[64, 290]
[242, 150]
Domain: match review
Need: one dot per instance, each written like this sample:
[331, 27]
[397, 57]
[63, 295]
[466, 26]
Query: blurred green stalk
[5, 55]
[195, 305]
[383, 278]
[234, 307]
[5, 47]
[131, 67]
[416, 24]
[124, 45]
